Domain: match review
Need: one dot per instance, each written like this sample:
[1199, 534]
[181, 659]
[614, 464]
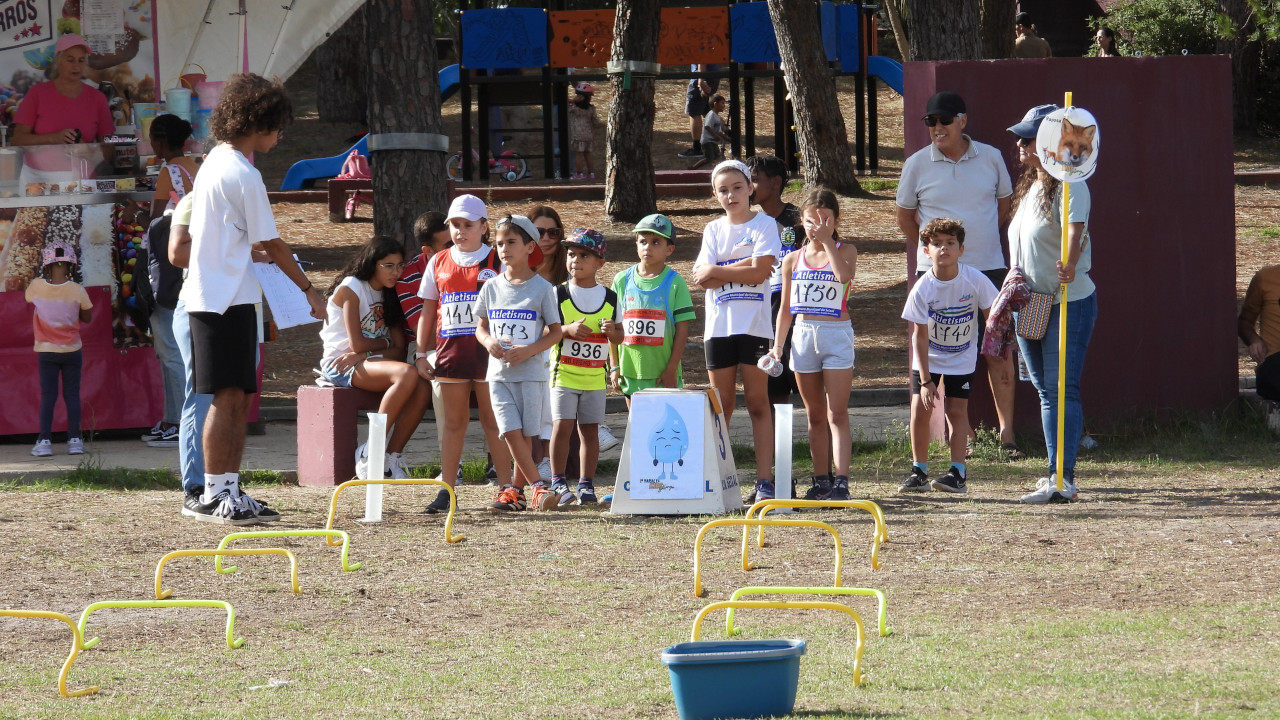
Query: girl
[582, 128]
[817, 281]
[61, 304]
[733, 266]
[364, 346]
[450, 287]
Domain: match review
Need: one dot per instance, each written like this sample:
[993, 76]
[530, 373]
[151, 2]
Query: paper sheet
[289, 306]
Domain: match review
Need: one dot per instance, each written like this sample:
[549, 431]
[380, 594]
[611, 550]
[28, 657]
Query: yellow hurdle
[763, 507]
[756, 522]
[448, 523]
[885, 630]
[77, 642]
[346, 544]
[293, 564]
[696, 634]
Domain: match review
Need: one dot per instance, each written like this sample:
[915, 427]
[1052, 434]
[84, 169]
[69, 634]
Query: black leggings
[53, 364]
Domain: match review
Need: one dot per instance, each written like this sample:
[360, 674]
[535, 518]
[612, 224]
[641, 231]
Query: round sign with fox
[1067, 144]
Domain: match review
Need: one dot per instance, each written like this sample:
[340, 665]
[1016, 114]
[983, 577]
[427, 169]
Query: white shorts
[818, 345]
[585, 406]
[518, 405]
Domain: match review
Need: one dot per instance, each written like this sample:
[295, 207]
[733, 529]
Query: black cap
[1022, 18]
[945, 104]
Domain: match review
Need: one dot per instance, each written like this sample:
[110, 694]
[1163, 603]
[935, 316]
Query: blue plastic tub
[734, 678]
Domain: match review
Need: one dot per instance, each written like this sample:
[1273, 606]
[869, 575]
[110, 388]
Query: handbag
[1033, 318]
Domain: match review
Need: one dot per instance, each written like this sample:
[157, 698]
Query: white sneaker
[399, 469]
[362, 462]
[1047, 492]
[43, 448]
[544, 468]
[75, 446]
[607, 440]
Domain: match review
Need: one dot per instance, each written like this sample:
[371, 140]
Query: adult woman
[1035, 246]
[553, 270]
[1106, 41]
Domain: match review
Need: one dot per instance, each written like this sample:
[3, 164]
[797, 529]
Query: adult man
[1028, 44]
[1259, 328]
[697, 103]
[959, 178]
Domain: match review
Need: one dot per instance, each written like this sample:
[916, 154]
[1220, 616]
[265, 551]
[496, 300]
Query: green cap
[657, 224]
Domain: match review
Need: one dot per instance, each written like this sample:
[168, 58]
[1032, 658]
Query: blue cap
[1030, 124]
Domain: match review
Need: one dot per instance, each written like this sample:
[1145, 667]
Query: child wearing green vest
[589, 317]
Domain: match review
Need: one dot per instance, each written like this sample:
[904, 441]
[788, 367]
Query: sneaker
[399, 469]
[566, 497]
[223, 509]
[490, 474]
[544, 469]
[1047, 492]
[155, 433]
[586, 493]
[168, 438]
[362, 462]
[764, 490]
[916, 482]
[544, 499]
[689, 153]
[508, 499]
[257, 507]
[839, 488]
[591, 176]
[43, 448]
[951, 482]
[607, 440]
[440, 504]
[75, 446]
[820, 489]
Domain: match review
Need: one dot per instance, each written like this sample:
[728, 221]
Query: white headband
[732, 165]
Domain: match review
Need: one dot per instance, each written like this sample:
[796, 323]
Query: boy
[589, 314]
[432, 233]
[943, 305]
[713, 136]
[656, 309]
[517, 319]
[230, 217]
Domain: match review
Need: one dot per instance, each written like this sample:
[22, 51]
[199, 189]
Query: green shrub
[1162, 27]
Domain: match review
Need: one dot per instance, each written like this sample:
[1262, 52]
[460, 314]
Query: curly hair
[1050, 190]
[363, 267]
[250, 104]
[942, 226]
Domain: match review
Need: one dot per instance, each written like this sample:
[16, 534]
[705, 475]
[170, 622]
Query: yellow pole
[1062, 330]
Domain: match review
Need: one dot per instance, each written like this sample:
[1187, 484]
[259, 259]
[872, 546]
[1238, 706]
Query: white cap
[468, 207]
[521, 222]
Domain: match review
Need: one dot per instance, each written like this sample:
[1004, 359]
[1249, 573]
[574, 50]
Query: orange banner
[581, 38]
[584, 38]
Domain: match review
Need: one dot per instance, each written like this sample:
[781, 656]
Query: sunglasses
[1023, 142]
[934, 120]
[553, 233]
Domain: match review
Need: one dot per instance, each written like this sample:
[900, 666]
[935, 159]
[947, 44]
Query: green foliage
[1162, 27]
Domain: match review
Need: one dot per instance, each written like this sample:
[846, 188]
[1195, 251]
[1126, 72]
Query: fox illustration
[1075, 145]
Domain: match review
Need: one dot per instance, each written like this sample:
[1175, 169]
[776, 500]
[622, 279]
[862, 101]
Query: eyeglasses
[1023, 142]
[935, 119]
[391, 266]
[553, 233]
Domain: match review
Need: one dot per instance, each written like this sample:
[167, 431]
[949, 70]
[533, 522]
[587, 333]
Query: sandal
[1012, 452]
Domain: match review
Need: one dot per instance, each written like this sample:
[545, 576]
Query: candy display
[130, 240]
[21, 259]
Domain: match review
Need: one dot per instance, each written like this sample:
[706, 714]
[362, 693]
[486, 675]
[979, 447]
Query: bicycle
[508, 165]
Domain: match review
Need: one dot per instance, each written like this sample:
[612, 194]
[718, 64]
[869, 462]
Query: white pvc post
[377, 454]
[782, 452]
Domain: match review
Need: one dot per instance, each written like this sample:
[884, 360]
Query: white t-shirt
[428, 290]
[952, 310]
[712, 121]
[334, 333]
[734, 308]
[936, 186]
[229, 213]
[1035, 242]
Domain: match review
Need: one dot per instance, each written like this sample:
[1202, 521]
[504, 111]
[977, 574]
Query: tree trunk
[1246, 62]
[997, 28]
[899, 32]
[341, 82]
[824, 143]
[404, 97]
[628, 186]
[944, 30]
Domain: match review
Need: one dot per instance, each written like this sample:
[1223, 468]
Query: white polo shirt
[967, 190]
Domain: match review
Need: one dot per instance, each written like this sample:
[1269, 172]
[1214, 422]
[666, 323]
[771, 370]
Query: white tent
[280, 34]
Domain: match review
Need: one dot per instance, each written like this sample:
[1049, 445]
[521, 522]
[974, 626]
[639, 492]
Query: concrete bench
[327, 432]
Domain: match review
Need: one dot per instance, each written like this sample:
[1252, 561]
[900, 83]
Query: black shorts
[784, 384]
[735, 350]
[224, 349]
[695, 105]
[1268, 377]
[956, 386]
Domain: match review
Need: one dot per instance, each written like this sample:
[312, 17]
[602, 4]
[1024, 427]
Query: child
[230, 217]
[589, 315]
[517, 320]
[713, 135]
[432, 233]
[61, 304]
[944, 304]
[364, 346]
[582, 126]
[450, 289]
[737, 256]
[656, 311]
[817, 281]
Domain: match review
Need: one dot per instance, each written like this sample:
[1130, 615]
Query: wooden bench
[327, 432]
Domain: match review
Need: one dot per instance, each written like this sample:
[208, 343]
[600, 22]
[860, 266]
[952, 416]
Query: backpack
[356, 167]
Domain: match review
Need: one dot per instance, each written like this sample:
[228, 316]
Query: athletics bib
[514, 327]
[644, 327]
[590, 353]
[730, 292]
[458, 314]
[816, 292]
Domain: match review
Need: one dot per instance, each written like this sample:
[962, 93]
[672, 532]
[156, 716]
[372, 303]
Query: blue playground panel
[752, 39]
[504, 38]
[305, 172]
[887, 69]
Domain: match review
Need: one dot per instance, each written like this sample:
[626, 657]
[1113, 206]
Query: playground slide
[887, 69]
[304, 173]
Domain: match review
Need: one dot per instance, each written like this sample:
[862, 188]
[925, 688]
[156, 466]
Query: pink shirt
[57, 316]
[45, 110]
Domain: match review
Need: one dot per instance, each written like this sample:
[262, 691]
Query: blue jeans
[1042, 361]
[52, 366]
[194, 409]
[171, 366]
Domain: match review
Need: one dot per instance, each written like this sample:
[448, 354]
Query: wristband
[308, 287]
[420, 356]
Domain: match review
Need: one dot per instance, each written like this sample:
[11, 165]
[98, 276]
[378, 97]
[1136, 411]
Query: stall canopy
[212, 33]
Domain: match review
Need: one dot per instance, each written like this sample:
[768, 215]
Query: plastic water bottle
[506, 341]
[771, 366]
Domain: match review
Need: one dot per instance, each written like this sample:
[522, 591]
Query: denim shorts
[331, 373]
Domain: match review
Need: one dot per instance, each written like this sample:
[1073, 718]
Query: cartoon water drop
[668, 442]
